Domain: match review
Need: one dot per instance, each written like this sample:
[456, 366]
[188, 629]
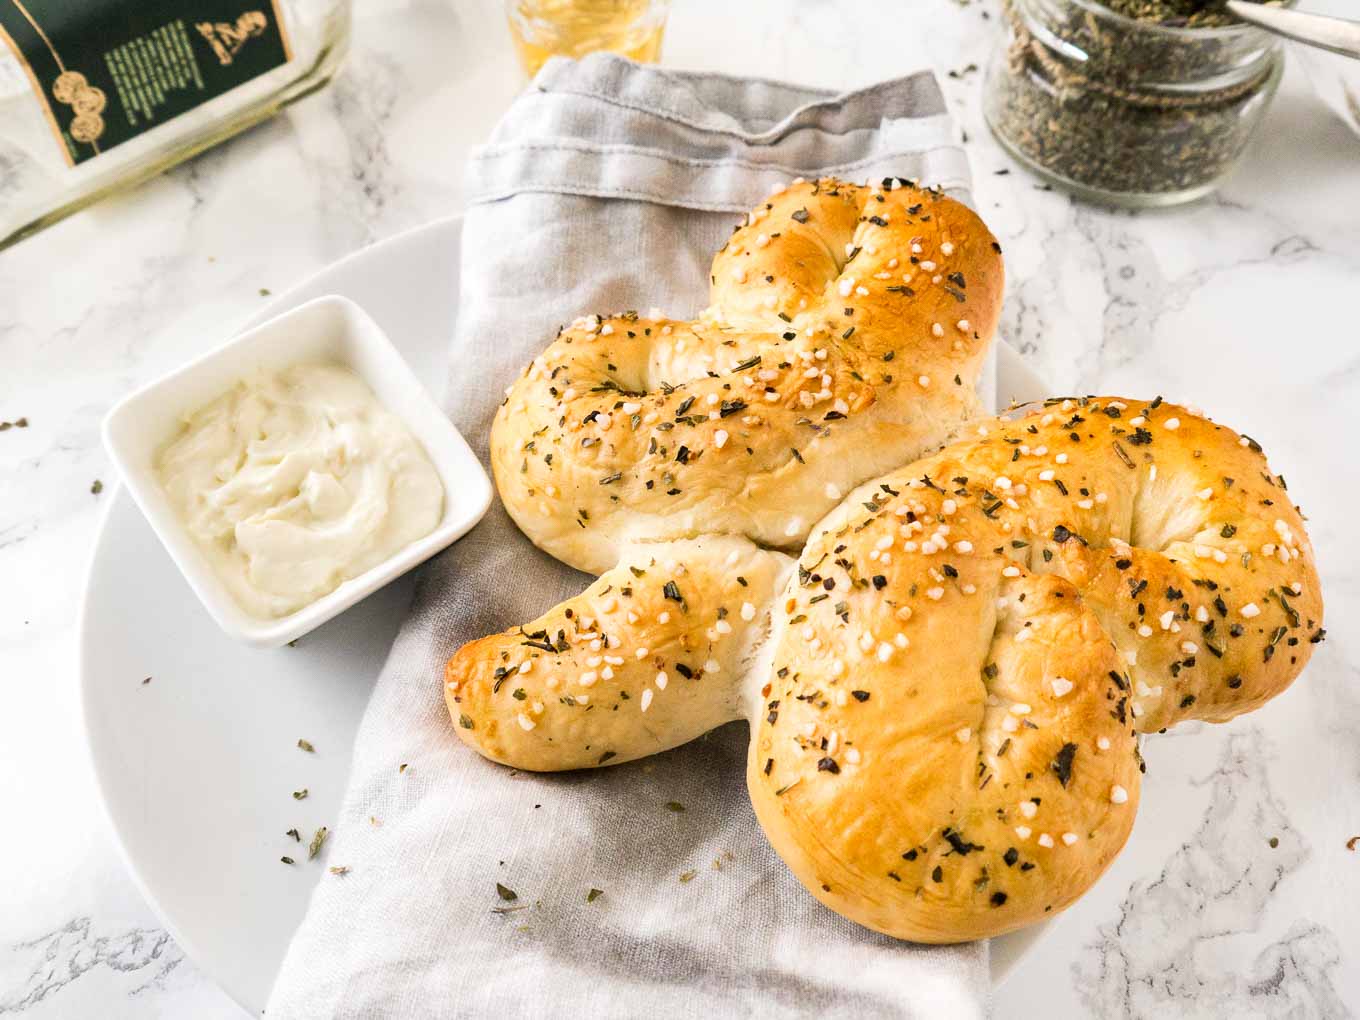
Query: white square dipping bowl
[326, 329]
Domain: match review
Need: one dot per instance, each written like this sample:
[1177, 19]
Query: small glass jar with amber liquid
[98, 95]
[573, 28]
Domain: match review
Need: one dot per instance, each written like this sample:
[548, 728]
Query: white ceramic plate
[196, 766]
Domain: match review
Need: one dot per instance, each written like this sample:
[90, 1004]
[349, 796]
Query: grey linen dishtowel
[606, 186]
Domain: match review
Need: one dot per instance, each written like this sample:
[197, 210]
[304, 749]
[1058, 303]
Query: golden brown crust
[847, 329]
[960, 798]
[650, 656]
[947, 692]
[1005, 617]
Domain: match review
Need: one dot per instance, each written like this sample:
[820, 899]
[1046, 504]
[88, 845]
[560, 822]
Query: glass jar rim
[1093, 38]
[1179, 33]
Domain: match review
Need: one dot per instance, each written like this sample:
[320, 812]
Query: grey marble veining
[1243, 304]
[141, 959]
[1150, 961]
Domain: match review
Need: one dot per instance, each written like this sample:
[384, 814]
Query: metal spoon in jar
[1335, 34]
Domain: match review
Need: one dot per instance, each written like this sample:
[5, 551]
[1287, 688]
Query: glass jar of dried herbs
[1138, 103]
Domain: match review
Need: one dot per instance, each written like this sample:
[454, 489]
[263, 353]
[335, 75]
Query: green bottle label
[108, 70]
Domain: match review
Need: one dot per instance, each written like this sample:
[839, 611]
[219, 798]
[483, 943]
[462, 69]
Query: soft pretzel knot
[847, 329]
[945, 689]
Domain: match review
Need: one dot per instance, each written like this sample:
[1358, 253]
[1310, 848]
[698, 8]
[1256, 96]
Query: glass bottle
[99, 95]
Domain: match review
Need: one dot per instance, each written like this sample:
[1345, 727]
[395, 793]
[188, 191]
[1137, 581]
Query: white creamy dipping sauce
[294, 482]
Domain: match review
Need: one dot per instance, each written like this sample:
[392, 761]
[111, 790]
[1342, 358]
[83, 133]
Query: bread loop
[946, 689]
[845, 334]
[1007, 616]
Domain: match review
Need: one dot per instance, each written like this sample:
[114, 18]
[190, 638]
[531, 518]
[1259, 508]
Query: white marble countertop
[1236, 895]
